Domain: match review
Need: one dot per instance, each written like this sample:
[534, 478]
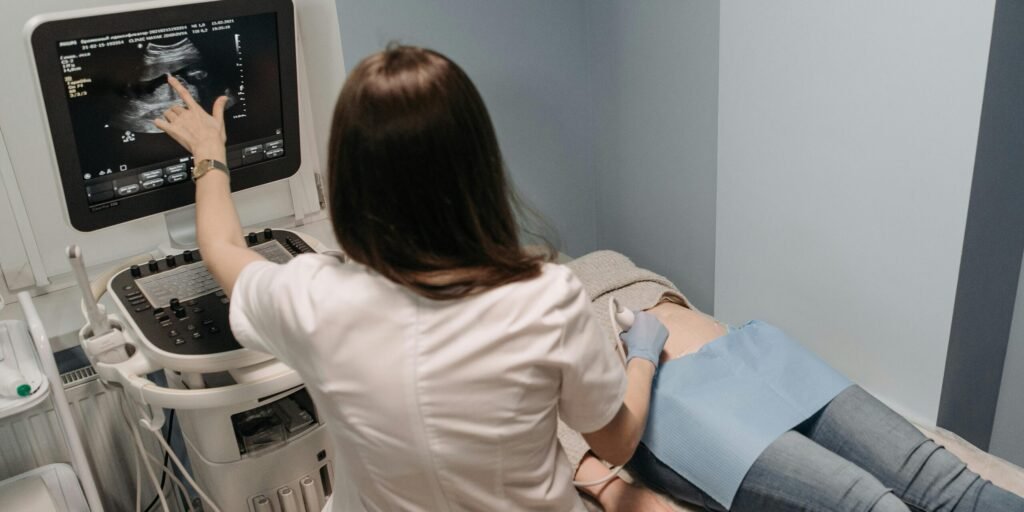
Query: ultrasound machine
[104, 181]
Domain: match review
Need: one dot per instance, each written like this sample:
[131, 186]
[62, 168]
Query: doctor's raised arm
[218, 229]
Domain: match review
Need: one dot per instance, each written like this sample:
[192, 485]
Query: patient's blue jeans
[856, 454]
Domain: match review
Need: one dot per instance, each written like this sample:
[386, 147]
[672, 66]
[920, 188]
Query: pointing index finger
[182, 92]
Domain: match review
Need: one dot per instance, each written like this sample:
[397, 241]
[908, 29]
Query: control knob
[188, 255]
[251, 237]
[268, 234]
[136, 271]
[175, 304]
[153, 265]
[171, 261]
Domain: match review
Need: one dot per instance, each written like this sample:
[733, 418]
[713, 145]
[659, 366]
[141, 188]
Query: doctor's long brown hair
[418, 188]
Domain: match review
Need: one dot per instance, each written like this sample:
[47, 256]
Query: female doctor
[443, 355]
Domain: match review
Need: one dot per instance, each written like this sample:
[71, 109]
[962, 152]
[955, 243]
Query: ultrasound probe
[97, 319]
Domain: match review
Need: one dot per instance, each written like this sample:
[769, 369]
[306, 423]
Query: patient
[744, 419]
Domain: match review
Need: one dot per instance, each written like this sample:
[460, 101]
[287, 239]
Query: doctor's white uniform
[437, 405]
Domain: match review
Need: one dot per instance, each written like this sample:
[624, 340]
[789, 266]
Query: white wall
[529, 60]
[655, 98]
[847, 133]
[1007, 440]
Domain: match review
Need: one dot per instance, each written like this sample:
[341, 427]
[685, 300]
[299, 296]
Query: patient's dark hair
[418, 188]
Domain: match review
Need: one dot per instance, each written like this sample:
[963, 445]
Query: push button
[174, 169]
[151, 184]
[177, 177]
[152, 175]
[127, 190]
[179, 341]
[252, 154]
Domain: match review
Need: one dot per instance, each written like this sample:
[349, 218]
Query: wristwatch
[204, 166]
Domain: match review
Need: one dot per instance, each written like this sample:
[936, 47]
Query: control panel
[179, 308]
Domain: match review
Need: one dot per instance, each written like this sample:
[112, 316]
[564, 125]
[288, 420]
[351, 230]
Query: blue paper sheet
[713, 412]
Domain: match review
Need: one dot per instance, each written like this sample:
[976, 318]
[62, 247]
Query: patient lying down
[746, 419]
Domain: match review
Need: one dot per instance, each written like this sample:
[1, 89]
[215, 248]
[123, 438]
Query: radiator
[33, 438]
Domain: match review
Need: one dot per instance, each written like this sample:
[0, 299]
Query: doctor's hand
[645, 339]
[201, 133]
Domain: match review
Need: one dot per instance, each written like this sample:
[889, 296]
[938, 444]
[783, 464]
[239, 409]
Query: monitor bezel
[44, 40]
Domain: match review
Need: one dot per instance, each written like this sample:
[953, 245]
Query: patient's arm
[616, 495]
[688, 330]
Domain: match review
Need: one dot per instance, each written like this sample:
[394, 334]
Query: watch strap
[205, 166]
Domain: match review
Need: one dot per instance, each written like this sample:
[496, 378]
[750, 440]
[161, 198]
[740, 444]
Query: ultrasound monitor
[103, 82]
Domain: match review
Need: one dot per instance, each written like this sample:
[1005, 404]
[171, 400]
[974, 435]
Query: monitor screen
[115, 164]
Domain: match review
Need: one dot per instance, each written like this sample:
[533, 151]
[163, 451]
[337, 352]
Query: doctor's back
[442, 355]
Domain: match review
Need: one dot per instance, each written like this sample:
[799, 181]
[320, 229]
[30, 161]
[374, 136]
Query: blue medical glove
[645, 338]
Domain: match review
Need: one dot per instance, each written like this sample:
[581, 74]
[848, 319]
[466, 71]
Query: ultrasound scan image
[148, 98]
[118, 88]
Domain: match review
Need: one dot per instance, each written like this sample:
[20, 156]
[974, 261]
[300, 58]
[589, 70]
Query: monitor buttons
[151, 175]
[175, 169]
[151, 184]
[274, 153]
[126, 187]
[177, 177]
[252, 154]
[272, 145]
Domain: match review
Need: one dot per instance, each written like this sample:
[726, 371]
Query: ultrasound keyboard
[176, 304]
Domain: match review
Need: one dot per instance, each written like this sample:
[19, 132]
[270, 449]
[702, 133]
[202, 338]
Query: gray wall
[1007, 437]
[993, 243]
[847, 133]
[529, 60]
[655, 82]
